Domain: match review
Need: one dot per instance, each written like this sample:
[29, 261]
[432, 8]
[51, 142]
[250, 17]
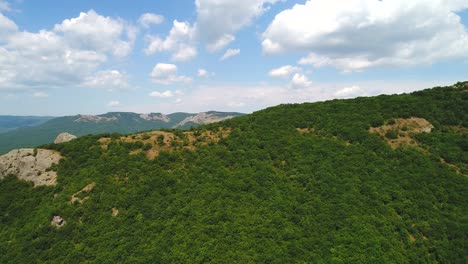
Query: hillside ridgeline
[117, 122]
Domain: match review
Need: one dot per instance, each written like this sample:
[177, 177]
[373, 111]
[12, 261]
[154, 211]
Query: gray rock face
[64, 137]
[115, 212]
[30, 165]
[203, 118]
[155, 117]
[58, 221]
[95, 119]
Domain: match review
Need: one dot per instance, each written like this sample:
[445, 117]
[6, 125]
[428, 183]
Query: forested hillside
[8, 123]
[114, 122]
[369, 180]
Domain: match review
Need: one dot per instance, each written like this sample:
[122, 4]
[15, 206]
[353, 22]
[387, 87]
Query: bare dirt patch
[453, 166]
[400, 131]
[104, 142]
[115, 212]
[305, 130]
[76, 196]
[458, 129]
[156, 141]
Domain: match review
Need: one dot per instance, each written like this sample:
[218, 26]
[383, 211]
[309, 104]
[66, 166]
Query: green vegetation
[119, 122]
[8, 123]
[301, 183]
[391, 134]
[160, 140]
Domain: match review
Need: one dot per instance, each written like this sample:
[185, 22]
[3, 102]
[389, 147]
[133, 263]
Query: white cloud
[284, 71]
[165, 94]
[184, 53]
[216, 25]
[6, 27]
[350, 92]
[358, 34]
[40, 95]
[179, 42]
[218, 21]
[236, 104]
[300, 81]
[91, 31]
[230, 53]
[248, 98]
[167, 74]
[113, 104]
[107, 79]
[71, 55]
[5, 6]
[203, 73]
[148, 19]
[43, 59]
[220, 43]
[240, 98]
[345, 64]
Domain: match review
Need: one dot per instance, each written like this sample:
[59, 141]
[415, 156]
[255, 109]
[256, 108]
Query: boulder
[64, 137]
[115, 212]
[58, 221]
[30, 165]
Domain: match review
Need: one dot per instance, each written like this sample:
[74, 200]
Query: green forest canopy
[296, 183]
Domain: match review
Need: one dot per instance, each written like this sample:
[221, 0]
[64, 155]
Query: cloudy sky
[91, 57]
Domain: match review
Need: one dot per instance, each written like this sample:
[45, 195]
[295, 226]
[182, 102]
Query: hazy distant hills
[33, 131]
[8, 122]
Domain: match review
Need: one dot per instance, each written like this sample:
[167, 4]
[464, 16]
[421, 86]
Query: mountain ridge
[12, 122]
[111, 122]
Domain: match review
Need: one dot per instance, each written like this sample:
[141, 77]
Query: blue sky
[91, 57]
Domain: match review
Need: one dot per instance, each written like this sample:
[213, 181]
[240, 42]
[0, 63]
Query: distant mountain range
[33, 131]
[8, 122]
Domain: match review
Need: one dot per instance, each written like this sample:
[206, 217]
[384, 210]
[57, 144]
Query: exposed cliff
[30, 165]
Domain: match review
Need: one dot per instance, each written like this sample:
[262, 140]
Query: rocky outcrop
[64, 137]
[95, 119]
[115, 212]
[203, 118]
[30, 165]
[58, 221]
[155, 117]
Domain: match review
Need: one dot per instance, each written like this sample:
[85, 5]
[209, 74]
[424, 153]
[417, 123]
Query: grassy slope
[265, 194]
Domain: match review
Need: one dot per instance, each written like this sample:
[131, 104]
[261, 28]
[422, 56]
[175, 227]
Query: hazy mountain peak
[155, 116]
[204, 118]
[93, 118]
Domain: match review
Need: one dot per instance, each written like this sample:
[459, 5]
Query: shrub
[147, 147]
[391, 134]
[377, 121]
[160, 140]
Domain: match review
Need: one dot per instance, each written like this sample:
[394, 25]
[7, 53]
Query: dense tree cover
[265, 194]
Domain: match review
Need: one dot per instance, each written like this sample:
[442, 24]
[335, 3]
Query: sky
[91, 57]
